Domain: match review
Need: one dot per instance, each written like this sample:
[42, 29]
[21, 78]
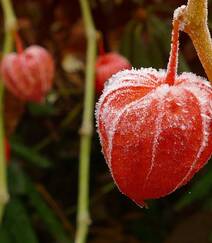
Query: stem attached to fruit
[18, 43]
[101, 48]
[10, 26]
[173, 59]
[83, 219]
[193, 18]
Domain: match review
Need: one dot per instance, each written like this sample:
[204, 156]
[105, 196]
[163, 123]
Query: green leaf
[41, 109]
[16, 180]
[127, 41]
[5, 236]
[161, 31]
[18, 224]
[46, 214]
[140, 56]
[30, 155]
[183, 65]
[20, 182]
[155, 54]
[199, 190]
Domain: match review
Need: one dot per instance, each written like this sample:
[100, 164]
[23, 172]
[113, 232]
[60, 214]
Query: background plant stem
[10, 25]
[83, 218]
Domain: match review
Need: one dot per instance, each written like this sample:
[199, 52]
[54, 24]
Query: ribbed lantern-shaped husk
[155, 128]
[29, 74]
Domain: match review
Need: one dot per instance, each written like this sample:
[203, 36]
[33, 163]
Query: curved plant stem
[83, 219]
[194, 17]
[10, 25]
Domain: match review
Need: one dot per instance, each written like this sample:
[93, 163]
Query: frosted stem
[173, 58]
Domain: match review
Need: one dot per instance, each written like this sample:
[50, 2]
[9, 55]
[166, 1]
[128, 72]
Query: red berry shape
[29, 73]
[155, 128]
[107, 65]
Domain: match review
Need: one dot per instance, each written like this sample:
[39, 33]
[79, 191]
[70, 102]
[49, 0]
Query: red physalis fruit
[7, 150]
[155, 128]
[108, 64]
[28, 74]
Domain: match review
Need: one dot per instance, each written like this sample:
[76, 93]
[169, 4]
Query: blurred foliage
[43, 167]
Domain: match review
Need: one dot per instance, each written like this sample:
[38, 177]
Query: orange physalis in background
[108, 64]
[29, 73]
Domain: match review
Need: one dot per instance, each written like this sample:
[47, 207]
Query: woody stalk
[193, 19]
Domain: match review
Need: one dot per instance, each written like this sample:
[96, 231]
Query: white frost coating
[178, 14]
[153, 79]
[210, 106]
[123, 79]
[192, 78]
[203, 96]
[117, 120]
[108, 114]
[144, 102]
[144, 77]
[140, 76]
[158, 123]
